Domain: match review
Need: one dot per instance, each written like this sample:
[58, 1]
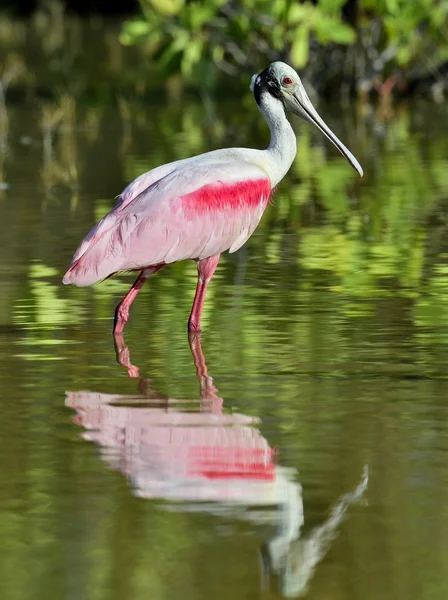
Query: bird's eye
[287, 81]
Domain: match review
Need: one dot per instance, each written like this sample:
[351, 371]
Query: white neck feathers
[282, 149]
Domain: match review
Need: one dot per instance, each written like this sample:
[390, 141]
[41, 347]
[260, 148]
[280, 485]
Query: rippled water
[299, 447]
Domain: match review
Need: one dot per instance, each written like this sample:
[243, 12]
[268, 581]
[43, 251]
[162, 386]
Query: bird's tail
[77, 274]
[95, 259]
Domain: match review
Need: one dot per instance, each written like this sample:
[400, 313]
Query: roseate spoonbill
[199, 207]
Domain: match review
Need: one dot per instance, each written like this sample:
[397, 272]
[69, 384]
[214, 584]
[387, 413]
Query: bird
[199, 207]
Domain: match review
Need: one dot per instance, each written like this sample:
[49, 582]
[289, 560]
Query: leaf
[171, 63]
[404, 55]
[167, 8]
[331, 29]
[134, 31]
[200, 15]
[217, 53]
[342, 34]
[177, 45]
[277, 37]
[392, 6]
[332, 7]
[300, 47]
[280, 9]
[191, 56]
[243, 24]
[299, 13]
[439, 14]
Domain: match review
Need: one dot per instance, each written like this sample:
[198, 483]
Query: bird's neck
[283, 146]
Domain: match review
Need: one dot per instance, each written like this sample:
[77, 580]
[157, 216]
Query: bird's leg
[122, 310]
[206, 268]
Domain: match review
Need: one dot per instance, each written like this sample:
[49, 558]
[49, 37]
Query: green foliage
[201, 43]
[410, 36]
[187, 37]
[190, 37]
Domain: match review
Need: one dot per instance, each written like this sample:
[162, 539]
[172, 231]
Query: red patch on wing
[217, 197]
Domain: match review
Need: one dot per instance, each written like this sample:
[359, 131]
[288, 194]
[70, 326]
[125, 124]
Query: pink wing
[143, 182]
[195, 211]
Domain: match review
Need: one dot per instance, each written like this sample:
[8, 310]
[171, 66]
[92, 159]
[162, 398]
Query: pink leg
[206, 268]
[122, 310]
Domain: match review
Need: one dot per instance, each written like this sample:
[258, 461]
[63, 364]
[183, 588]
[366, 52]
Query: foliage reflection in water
[193, 453]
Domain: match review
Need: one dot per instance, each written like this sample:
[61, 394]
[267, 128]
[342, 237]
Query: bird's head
[281, 82]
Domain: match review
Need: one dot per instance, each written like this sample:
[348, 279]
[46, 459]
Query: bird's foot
[120, 319]
[194, 327]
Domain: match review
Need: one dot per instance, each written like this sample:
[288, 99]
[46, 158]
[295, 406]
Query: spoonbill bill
[199, 207]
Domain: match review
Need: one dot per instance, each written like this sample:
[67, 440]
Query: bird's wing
[198, 210]
[143, 182]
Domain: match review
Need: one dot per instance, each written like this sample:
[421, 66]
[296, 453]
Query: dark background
[83, 7]
[119, 7]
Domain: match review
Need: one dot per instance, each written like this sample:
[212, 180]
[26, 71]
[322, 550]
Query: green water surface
[326, 335]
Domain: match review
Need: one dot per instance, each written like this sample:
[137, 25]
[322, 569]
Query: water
[299, 447]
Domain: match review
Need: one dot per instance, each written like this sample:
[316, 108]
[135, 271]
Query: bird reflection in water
[194, 456]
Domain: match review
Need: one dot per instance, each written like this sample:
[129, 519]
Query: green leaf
[217, 53]
[392, 6]
[331, 29]
[277, 37]
[300, 46]
[191, 56]
[178, 44]
[404, 55]
[134, 31]
[332, 7]
[342, 34]
[200, 15]
[243, 24]
[168, 8]
[299, 13]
